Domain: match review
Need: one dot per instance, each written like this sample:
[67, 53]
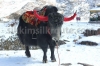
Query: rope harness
[58, 53]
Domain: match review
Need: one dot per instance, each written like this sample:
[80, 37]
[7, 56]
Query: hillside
[65, 7]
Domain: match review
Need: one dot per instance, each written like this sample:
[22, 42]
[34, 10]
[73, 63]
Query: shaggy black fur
[31, 35]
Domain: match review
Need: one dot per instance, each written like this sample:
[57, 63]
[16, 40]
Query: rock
[66, 64]
[67, 50]
[13, 16]
[89, 43]
[66, 41]
[89, 32]
[85, 64]
[98, 31]
[61, 42]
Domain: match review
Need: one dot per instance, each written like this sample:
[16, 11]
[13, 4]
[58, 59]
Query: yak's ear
[44, 7]
[55, 8]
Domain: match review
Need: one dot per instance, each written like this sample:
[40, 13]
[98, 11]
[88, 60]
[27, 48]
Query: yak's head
[54, 20]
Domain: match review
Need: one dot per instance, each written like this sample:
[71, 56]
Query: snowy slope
[7, 6]
[10, 6]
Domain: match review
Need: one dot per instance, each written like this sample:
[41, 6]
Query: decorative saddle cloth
[30, 18]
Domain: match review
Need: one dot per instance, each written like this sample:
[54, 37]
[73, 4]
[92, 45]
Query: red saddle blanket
[29, 17]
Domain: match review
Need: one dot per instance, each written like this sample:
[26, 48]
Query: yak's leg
[27, 52]
[53, 59]
[45, 55]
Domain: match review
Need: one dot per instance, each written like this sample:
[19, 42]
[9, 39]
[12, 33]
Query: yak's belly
[30, 40]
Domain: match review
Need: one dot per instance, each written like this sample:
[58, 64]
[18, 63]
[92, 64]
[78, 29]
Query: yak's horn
[41, 18]
[70, 18]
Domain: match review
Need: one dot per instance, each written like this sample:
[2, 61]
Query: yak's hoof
[28, 54]
[45, 61]
[53, 60]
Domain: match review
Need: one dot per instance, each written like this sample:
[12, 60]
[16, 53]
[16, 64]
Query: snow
[6, 30]
[77, 53]
[7, 7]
[69, 52]
[10, 6]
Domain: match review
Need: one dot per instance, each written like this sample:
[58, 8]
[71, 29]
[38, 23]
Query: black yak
[42, 28]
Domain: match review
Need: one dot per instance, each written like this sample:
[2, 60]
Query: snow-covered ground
[69, 52]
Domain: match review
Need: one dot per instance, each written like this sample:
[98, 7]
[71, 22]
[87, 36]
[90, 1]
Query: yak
[41, 28]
